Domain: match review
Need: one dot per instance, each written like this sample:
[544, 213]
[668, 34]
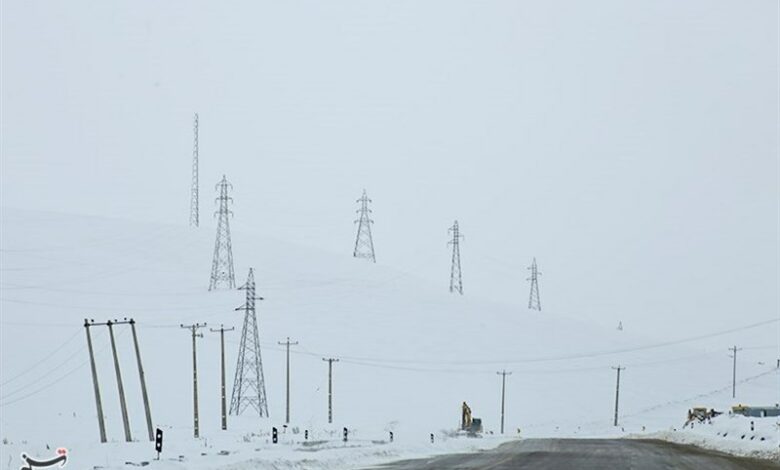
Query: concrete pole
[194, 329]
[734, 372]
[617, 393]
[98, 402]
[143, 383]
[288, 344]
[195, 387]
[330, 362]
[224, 399]
[222, 331]
[122, 402]
[503, 375]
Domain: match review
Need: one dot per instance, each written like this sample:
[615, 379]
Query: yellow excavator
[471, 425]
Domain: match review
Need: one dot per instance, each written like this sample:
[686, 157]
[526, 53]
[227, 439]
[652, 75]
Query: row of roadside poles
[194, 330]
[98, 402]
[90, 323]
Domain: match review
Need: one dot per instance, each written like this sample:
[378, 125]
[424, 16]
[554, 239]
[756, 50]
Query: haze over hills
[631, 150]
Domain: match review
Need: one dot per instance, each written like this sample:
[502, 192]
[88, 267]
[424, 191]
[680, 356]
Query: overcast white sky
[632, 147]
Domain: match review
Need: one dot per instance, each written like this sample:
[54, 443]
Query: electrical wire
[44, 376]
[54, 382]
[701, 395]
[112, 308]
[586, 355]
[36, 364]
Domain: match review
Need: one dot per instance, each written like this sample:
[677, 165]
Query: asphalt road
[586, 454]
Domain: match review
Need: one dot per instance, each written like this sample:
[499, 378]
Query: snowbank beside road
[731, 434]
[236, 451]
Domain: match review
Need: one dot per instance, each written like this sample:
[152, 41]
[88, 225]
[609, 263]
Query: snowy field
[410, 353]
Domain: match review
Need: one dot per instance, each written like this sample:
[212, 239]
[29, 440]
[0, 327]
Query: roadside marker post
[158, 442]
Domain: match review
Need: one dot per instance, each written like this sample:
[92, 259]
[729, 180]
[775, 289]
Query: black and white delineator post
[158, 442]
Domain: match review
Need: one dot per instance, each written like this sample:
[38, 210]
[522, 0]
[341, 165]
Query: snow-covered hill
[409, 351]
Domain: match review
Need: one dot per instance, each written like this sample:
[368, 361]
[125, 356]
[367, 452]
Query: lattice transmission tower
[222, 274]
[533, 300]
[364, 244]
[195, 188]
[456, 282]
[249, 384]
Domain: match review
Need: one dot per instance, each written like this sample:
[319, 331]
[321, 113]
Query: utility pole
[222, 331]
[194, 330]
[330, 362]
[222, 273]
[617, 392]
[143, 383]
[98, 402]
[288, 344]
[533, 299]
[195, 188]
[364, 243]
[503, 375]
[122, 402]
[734, 371]
[456, 281]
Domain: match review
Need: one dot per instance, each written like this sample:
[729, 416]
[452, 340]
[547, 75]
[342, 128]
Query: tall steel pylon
[533, 300]
[222, 274]
[249, 384]
[194, 208]
[364, 244]
[456, 282]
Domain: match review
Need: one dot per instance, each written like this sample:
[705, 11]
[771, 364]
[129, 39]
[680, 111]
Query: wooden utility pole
[288, 344]
[143, 383]
[98, 402]
[122, 402]
[617, 392]
[330, 362]
[194, 330]
[734, 372]
[503, 375]
[221, 332]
